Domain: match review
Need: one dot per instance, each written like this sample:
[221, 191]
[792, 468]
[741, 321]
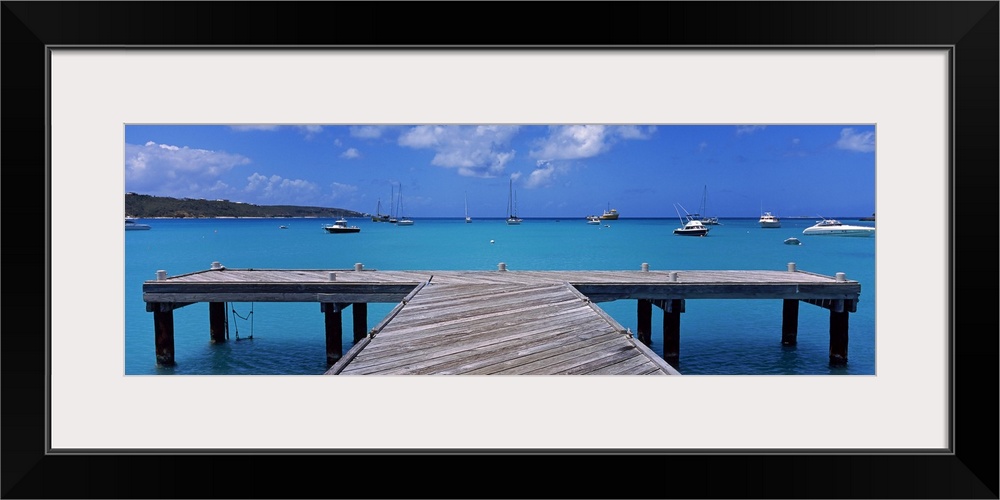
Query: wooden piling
[644, 324]
[334, 333]
[163, 325]
[360, 316]
[838, 337]
[217, 321]
[672, 331]
[789, 321]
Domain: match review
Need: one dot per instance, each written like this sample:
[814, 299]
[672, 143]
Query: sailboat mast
[510, 198]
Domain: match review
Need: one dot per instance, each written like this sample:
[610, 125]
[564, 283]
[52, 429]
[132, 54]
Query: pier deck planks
[494, 322]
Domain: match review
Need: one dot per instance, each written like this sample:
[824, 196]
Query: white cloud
[177, 171]
[544, 173]
[572, 142]
[351, 153]
[367, 132]
[634, 132]
[476, 151]
[863, 142]
[276, 190]
[310, 131]
[749, 129]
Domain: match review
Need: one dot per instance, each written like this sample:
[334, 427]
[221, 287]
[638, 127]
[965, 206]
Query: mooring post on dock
[501, 267]
[217, 321]
[644, 314]
[645, 267]
[334, 332]
[360, 316]
[358, 266]
[791, 267]
[789, 319]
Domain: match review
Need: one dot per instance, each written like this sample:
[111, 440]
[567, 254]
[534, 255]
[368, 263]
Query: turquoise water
[718, 337]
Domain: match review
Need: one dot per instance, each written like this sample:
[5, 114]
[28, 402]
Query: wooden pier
[498, 322]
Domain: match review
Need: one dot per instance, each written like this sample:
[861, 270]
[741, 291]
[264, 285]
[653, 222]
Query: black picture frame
[970, 28]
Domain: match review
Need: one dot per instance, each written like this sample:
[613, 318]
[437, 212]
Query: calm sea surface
[718, 337]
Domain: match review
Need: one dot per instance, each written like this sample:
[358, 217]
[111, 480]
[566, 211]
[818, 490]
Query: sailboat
[512, 219]
[467, 218]
[379, 216]
[708, 221]
[403, 221]
[392, 204]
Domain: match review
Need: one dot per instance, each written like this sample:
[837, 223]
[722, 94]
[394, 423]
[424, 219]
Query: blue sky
[557, 171]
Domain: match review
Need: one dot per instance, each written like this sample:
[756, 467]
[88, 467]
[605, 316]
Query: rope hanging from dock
[249, 317]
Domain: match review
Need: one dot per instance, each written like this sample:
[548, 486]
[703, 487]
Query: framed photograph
[922, 75]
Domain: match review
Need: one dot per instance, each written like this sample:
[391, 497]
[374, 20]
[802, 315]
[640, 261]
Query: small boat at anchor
[132, 225]
[512, 219]
[693, 227]
[792, 241]
[833, 227]
[593, 219]
[769, 220]
[610, 213]
[340, 226]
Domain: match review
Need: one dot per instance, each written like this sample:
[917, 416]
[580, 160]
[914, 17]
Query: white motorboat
[593, 219]
[132, 225]
[340, 226]
[833, 227]
[693, 227]
[769, 220]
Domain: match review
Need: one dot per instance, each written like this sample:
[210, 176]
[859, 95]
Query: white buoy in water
[491, 242]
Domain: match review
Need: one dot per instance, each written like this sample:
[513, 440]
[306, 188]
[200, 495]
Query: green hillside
[146, 206]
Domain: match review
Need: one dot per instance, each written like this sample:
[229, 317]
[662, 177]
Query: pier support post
[838, 336]
[644, 326]
[217, 321]
[672, 310]
[163, 326]
[334, 332]
[789, 321]
[360, 316]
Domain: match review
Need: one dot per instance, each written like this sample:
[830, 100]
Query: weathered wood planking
[478, 329]
[500, 322]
